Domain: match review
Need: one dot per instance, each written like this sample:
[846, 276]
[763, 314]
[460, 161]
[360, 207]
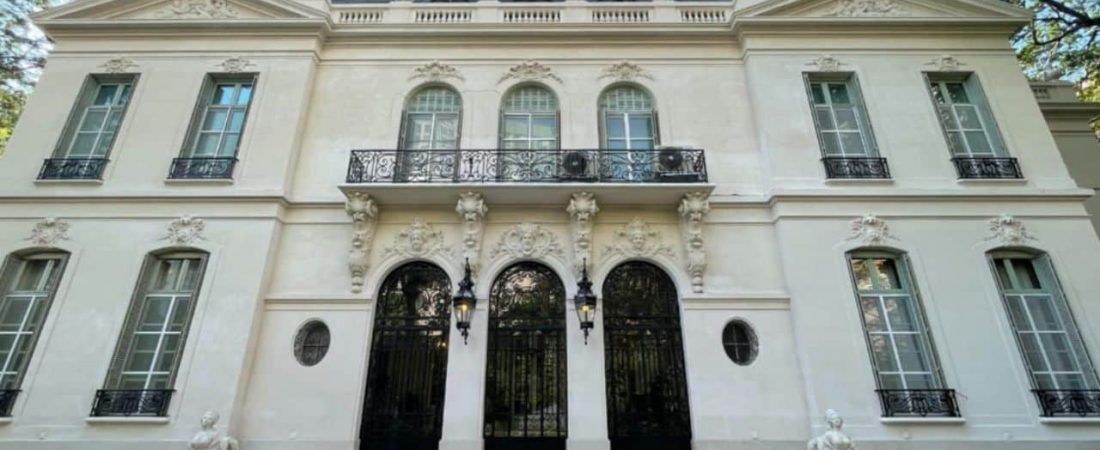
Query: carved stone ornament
[436, 71]
[869, 8]
[235, 65]
[118, 64]
[582, 211]
[826, 63]
[833, 438]
[364, 216]
[625, 71]
[209, 438]
[1008, 230]
[693, 209]
[527, 240]
[530, 71]
[49, 231]
[637, 239]
[871, 230]
[946, 63]
[417, 241]
[471, 209]
[199, 9]
[185, 231]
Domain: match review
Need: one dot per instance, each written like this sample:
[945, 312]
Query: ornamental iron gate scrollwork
[403, 408]
[525, 389]
[647, 399]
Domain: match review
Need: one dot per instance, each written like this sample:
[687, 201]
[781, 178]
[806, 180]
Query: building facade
[563, 225]
[1070, 122]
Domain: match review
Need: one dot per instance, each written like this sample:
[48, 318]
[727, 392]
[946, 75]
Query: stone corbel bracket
[364, 216]
[582, 211]
[693, 210]
[471, 210]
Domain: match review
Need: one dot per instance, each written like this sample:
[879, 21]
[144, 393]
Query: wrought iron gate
[647, 403]
[525, 389]
[403, 409]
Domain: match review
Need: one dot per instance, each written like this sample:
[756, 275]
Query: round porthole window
[311, 343]
[739, 341]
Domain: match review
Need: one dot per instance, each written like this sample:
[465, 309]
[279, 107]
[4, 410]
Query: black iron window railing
[971, 167]
[856, 167]
[131, 402]
[1069, 403]
[7, 401]
[72, 169]
[202, 168]
[918, 402]
[527, 166]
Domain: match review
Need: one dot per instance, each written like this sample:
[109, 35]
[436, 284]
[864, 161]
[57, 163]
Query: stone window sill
[5, 421]
[859, 181]
[126, 420]
[76, 182]
[991, 181]
[922, 420]
[199, 181]
[1069, 420]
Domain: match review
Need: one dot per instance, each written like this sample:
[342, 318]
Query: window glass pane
[215, 119]
[615, 127]
[106, 95]
[13, 312]
[862, 274]
[544, 127]
[245, 94]
[872, 314]
[957, 92]
[937, 94]
[446, 132]
[883, 353]
[124, 97]
[956, 143]
[832, 143]
[104, 144]
[169, 349]
[93, 120]
[626, 99]
[887, 274]
[530, 99]
[1045, 381]
[1058, 352]
[179, 314]
[193, 276]
[1042, 313]
[434, 100]
[154, 313]
[1071, 381]
[838, 93]
[83, 144]
[1034, 355]
[891, 381]
[223, 94]
[901, 315]
[920, 381]
[229, 145]
[158, 381]
[236, 121]
[207, 145]
[846, 118]
[968, 117]
[1026, 278]
[641, 127]
[34, 271]
[641, 144]
[1019, 314]
[166, 274]
[616, 145]
[515, 127]
[419, 132]
[824, 118]
[978, 142]
[910, 353]
[852, 144]
[142, 353]
[948, 118]
[817, 93]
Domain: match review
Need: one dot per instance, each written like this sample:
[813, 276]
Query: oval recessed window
[739, 341]
[311, 343]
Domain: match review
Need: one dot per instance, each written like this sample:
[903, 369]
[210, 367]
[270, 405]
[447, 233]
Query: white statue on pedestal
[834, 439]
[208, 437]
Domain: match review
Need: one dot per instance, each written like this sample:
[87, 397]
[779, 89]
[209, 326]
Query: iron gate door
[647, 403]
[525, 403]
[403, 409]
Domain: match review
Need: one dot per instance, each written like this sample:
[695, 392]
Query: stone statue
[208, 437]
[834, 439]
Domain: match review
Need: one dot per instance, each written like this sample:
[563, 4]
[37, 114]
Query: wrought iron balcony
[918, 402]
[1069, 403]
[72, 169]
[666, 165]
[856, 167]
[131, 402]
[975, 167]
[7, 401]
[202, 168]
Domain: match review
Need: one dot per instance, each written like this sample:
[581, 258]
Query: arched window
[1046, 331]
[432, 119]
[311, 343]
[407, 370]
[525, 381]
[647, 400]
[29, 282]
[529, 119]
[628, 119]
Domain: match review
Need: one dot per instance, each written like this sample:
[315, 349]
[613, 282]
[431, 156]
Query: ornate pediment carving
[826, 63]
[1008, 230]
[625, 71]
[637, 239]
[118, 64]
[436, 71]
[946, 63]
[869, 8]
[527, 240]
[871, 230]
[530, 71]
[49, 231]
[235, 65]
[417, 241]
[199, 9]
[185, 230]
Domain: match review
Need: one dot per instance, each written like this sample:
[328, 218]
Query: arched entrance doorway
[525, 381]
[403, 408]
[647, 403]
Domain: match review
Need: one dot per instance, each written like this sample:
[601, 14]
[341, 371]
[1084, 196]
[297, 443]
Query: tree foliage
[22, 53]
[1063, 42]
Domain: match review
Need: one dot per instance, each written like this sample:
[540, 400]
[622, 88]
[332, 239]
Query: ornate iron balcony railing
[72, 169]
[132, 402]
[202, 168]
[527, 166]
[918, 402]
[971, 167]
[7, 401]
[855, 167]
[1063, 403]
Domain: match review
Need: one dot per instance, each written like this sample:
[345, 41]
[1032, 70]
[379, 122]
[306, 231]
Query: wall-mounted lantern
[585, 301]
[464, 304]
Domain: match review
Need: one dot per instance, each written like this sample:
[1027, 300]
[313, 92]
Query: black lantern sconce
[464, 303]
[585, 301]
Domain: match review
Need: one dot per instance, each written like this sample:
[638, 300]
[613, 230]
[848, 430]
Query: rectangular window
[1045, 329]
[901, 349]
[29, 284]
[840, 116]
[94, 122]
[965, 115]
[220, 117]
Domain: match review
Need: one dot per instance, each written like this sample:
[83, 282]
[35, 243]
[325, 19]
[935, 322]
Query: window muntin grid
[901, 349]
[157, 324]
[966, 120]
[529, 119]
[840, 117]
[224, 110]
[628, 119]
[29, 284]
[432, 119]
[100, 114]
[1049, 340]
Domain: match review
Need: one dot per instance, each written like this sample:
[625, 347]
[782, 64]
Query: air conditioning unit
[574, 164]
